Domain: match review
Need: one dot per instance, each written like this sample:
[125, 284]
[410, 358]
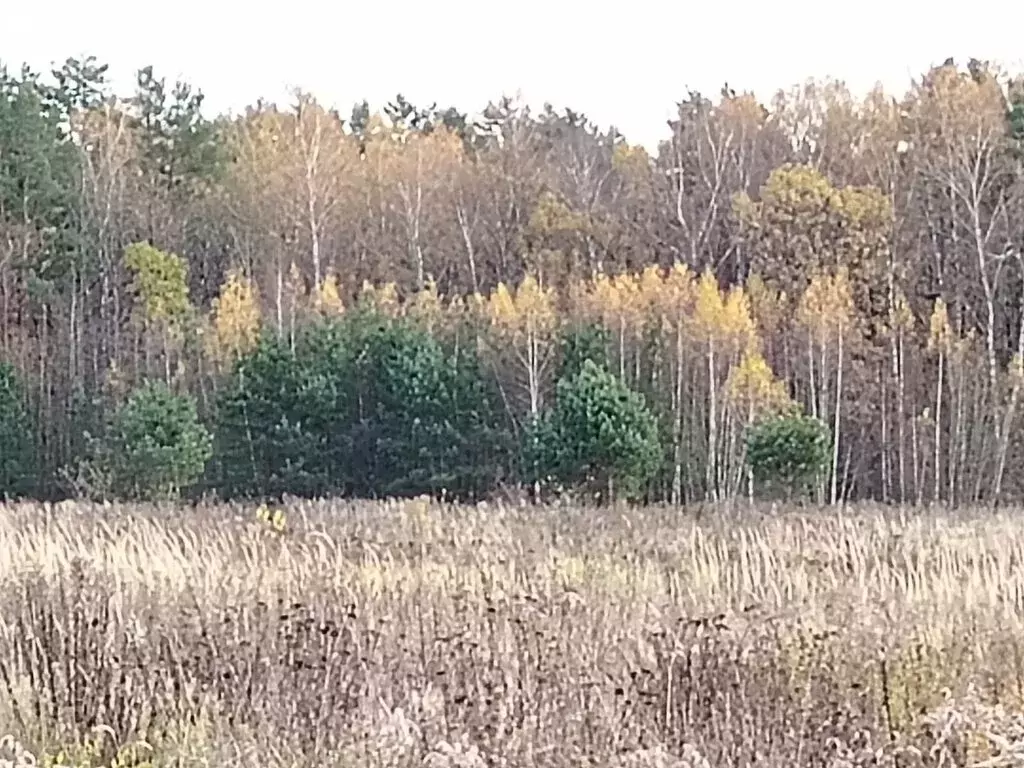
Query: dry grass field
[413, 635]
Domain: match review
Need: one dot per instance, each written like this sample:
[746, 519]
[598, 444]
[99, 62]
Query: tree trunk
[468, 242]
[936, 495]
[956, 440]
[901, 416]
[279, 298]
[883, 414]
[677, 420]
[835, 428]
[711, 471]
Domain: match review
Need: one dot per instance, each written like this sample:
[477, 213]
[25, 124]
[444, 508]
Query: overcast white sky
[623, 63]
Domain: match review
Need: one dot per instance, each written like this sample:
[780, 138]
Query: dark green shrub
[283, 418]
[599, 436]
[366, 406]
[154, 447]
[788, 454]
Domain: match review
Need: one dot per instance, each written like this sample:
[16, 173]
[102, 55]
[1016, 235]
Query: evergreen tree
[434, 424]
[585, 342]
[789, 453]
[283, 421]
[153, 448]
[600, 436]
[365, 405]
[17, 447]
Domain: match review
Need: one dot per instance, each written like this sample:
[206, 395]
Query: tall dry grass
[402, 634]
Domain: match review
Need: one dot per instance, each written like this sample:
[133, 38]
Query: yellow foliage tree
[630, 159]
[709, 317]
[754, 392]
[293, 174]
[556, 237]
[826, 310]
[729, 331]
[753, 388]
[738, 328]
[468, 319]
[616, 303]
[161, 286]
[899, 326]
[649, 287]
[235, 320]
[802, 224]
[631, 320]
[676, 300]
[382, 299]
[327, 300]
[426, 308]
[525, 323]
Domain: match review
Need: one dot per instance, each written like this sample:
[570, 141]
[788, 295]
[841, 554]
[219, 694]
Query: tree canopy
[598, 435]
[855, 256]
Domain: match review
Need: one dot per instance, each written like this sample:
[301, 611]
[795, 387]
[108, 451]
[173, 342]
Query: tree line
[402, 296]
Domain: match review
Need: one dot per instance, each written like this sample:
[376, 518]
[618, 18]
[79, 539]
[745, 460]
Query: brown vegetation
[402, 634]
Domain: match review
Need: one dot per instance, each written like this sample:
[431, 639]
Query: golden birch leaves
[235, 319]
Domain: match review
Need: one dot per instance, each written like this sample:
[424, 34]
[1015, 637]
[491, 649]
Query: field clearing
[411, 634]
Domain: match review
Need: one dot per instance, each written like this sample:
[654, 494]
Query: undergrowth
[407, 634]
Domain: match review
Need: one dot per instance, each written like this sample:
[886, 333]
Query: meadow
[415, 634]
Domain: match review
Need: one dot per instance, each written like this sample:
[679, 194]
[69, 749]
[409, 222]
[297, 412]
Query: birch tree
[960, 137]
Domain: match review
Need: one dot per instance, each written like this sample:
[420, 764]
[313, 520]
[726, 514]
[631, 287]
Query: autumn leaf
[235, 319]
[753, 388]
[939, 332]
[161, 280]
[327, 299]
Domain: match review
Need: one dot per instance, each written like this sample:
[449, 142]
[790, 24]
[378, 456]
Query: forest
[414, 299]
[277, 387]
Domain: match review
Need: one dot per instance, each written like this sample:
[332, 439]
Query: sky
[623, 64]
